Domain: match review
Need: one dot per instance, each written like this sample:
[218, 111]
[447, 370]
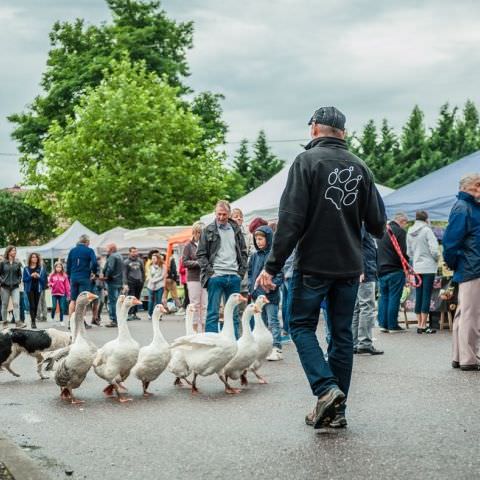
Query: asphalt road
[410, 417]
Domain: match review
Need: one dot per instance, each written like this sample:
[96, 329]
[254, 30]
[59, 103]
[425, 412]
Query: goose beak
[91, 297]
[241, 298]
[163, 310]
[136, 301]
[266, 300]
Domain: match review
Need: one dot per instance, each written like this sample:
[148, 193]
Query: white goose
[246, 352]
[178, 366]
[263, 339]
[78, 359]
[208, 353]
[153, 358]
[116, 358]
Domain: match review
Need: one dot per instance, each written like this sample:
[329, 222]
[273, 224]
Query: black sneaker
[468, 368]
[455, 364]
[339, 421]
[325, 409]
[370, 350]
[397, 329]
[384, 330]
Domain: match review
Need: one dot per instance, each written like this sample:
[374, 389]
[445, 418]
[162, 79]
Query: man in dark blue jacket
[364, 313]
[461, 250]
[329, 194]
[81, 266]
[262, 240]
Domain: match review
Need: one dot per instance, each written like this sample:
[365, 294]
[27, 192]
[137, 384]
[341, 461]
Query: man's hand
[265, 281]
[362, 278]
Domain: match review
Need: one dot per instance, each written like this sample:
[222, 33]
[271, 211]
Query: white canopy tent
[61, 245]
[264, 200]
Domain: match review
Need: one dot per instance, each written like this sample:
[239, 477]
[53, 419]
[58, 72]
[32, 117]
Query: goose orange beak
[242, 298]
[136, 301]
[91, 297]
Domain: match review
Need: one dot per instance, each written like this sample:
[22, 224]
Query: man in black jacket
[134, 278]
[222, 256]
[113, 275]
[329, 193]
[391, 278]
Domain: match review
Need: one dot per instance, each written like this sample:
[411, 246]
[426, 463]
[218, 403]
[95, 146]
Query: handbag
[414, 280]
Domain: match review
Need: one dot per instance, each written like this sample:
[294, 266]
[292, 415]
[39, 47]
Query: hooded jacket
[422, 247]
[256, 265]
[461, 240]
[329, 193]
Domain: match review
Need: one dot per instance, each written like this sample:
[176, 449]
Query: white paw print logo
[343, 188]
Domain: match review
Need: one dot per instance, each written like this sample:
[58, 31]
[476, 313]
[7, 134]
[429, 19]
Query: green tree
[412, 149]
[264, 163]
[467, 131]
[131, 155]
[80, 55]
[242, 165]
[368, 145]
[387, 154]
[22, 224]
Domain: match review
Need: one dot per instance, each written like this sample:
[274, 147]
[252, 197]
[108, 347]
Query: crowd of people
[331, 252]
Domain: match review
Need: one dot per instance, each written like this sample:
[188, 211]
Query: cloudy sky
[275, 62]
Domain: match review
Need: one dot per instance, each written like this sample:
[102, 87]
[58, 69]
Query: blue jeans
[308, 292]
[62, 301]
[154, 298]
[270, 317]
[113, 294]
[391, 288]
[286, 304]
[423, 293]
[218, 287]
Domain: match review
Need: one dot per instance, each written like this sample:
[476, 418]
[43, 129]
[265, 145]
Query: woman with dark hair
[422, 248]
[35, 281]
[10, 280]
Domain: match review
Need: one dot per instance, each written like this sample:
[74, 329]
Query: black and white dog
[15, 341]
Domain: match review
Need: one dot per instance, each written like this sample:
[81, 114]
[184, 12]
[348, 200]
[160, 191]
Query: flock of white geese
[194, 354]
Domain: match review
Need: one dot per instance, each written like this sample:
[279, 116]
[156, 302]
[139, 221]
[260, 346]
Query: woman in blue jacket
[461, 250]
[34, 281]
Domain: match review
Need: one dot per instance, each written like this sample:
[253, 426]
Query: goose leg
[119, 395]
[75, 401]
[108, 390]
[261, 379]
[178, 382]
[194, 385]
[122, 386]
[145, 387]
[228, 388]
[244, 379]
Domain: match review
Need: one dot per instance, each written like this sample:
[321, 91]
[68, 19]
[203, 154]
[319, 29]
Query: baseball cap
[330, 116]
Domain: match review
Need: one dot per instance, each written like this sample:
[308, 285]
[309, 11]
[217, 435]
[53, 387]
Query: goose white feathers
[246, 349]
[178, 365]
[76, 360]
[153, 358]
[208, 353]
[116, 358]
[263, 339]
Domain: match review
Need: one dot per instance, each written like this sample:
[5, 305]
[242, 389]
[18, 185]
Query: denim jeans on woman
[61, 300]
[14, 294]
[308, 292]
[423, 293]
[154, 298]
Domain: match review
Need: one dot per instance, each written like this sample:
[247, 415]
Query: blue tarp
[435, 193]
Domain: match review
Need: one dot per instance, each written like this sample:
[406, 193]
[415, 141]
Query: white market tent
[61, 245]
[145, 239]
[264, 200]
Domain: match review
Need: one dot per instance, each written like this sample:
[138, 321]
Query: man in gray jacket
[113, 275]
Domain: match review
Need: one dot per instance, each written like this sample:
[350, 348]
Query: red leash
[413, 278]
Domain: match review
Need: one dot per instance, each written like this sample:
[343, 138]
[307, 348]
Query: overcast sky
[276, 62]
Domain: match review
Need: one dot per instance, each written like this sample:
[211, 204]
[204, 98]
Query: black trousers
[186, 298]
[33, 300]
[135, 289]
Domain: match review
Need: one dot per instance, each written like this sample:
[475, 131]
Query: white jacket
[422, 248]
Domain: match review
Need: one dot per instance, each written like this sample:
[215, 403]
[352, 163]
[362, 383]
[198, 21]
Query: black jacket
[388, 259]
[329, 193]
[113, 270]
[209, 245]
[10, 274]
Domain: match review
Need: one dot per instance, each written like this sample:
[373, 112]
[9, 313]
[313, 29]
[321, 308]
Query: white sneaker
[275, 355]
